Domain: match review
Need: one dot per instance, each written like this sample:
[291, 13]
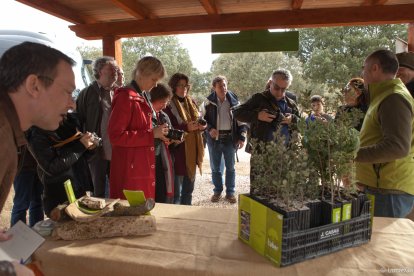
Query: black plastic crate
[303, 245]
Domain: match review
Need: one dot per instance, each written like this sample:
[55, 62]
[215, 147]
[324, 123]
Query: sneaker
[215, 198]
[231, 199]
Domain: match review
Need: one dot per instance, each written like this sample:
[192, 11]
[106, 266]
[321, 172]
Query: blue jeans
[392, 205]
[210, 150]
[27, 196]
[223, 148]
[183, 190]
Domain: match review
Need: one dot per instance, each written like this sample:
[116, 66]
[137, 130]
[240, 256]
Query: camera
[202, 122]
[96, 140]
[279, 117]
[175, 134]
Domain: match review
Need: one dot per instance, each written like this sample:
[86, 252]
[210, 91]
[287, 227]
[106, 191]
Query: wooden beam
[297, 4]
[366, 15]
[134, 8]
[373, 2]
[59, 10]
[209, 6]
[411, 37]
[112, 46]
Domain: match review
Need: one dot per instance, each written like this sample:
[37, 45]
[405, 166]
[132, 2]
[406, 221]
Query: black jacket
[58, 164]
[249, 111]
[89, 108]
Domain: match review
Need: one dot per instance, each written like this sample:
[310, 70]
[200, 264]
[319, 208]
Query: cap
[406, 59]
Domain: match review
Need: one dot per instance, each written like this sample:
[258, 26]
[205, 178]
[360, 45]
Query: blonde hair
[147, 66]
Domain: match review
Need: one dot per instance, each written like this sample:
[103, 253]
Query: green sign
[255, 41]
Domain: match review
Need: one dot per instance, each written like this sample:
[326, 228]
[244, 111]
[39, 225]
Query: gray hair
[99, 63]
[284, 74]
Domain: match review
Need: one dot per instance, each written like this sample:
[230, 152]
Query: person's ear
[32, 85]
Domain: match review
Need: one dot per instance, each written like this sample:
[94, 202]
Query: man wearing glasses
[94, 108]
[270, 111]
[36, 85]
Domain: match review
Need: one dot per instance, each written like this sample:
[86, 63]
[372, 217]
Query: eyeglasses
[278, 88]
[187, 86]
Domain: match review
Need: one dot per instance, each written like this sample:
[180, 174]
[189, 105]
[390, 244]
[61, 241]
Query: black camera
[279, 117]
[96, 140]
[175, 134]
[202, 122]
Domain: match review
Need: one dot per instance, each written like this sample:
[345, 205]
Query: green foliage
[335, 55]
[248, 73]
[331, 147]
[282, 173]
[167, 48]
[90, 53]
[200, 85]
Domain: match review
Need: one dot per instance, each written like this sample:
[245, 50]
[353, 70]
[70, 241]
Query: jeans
[27, 196]
[392, 205]
[183, 190]
[223, 148]
[210, 150]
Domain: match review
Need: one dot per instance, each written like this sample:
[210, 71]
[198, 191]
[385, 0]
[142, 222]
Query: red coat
[132, 139]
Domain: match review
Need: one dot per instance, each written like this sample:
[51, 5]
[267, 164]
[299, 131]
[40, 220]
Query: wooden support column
[112, 46]
[411, 37]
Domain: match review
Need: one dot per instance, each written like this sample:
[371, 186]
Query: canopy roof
[97, 19]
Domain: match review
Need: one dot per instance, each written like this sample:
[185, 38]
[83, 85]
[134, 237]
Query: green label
[274, 232]
[336, 215]
[69, 191]
[346, 211]
[371, 197]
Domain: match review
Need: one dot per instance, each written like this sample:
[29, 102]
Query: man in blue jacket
[225, 135]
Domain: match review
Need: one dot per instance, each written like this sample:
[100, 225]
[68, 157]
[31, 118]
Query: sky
[18, 16]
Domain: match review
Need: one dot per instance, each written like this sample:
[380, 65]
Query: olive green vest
[398, 174]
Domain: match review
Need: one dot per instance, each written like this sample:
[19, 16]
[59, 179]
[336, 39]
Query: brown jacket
[11, 138]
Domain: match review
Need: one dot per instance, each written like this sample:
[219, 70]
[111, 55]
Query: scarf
[194, 148]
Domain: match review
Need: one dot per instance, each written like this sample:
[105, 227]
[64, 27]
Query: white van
[10, 38]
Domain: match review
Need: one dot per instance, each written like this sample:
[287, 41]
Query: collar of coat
[230, 96]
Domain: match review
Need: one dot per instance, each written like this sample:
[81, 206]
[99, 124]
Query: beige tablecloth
[203, 241]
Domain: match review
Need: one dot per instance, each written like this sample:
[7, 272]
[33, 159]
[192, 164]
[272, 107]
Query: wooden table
[203, 241]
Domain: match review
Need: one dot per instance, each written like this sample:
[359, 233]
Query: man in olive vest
[385, 164]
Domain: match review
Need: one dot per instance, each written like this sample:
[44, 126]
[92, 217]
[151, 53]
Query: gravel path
[203, 187]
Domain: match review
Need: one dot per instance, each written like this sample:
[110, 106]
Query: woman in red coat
[131, 132]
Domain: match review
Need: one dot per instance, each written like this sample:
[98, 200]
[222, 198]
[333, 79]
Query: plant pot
[315, 207]
[331, 212]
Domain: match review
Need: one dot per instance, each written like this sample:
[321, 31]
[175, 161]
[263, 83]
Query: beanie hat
[406, 60]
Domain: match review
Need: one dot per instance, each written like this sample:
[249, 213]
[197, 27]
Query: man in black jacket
[269, 111]
[94, 108]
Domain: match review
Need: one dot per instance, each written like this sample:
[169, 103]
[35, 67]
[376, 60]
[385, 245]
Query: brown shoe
[231, 199]
[215, 198]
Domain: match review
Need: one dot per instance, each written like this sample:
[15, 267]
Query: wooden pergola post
[411, 37]
[112, 46]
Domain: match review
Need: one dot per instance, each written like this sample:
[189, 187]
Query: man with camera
[94, 108]
[270, 111]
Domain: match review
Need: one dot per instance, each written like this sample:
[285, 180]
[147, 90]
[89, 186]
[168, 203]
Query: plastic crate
[274, 236]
